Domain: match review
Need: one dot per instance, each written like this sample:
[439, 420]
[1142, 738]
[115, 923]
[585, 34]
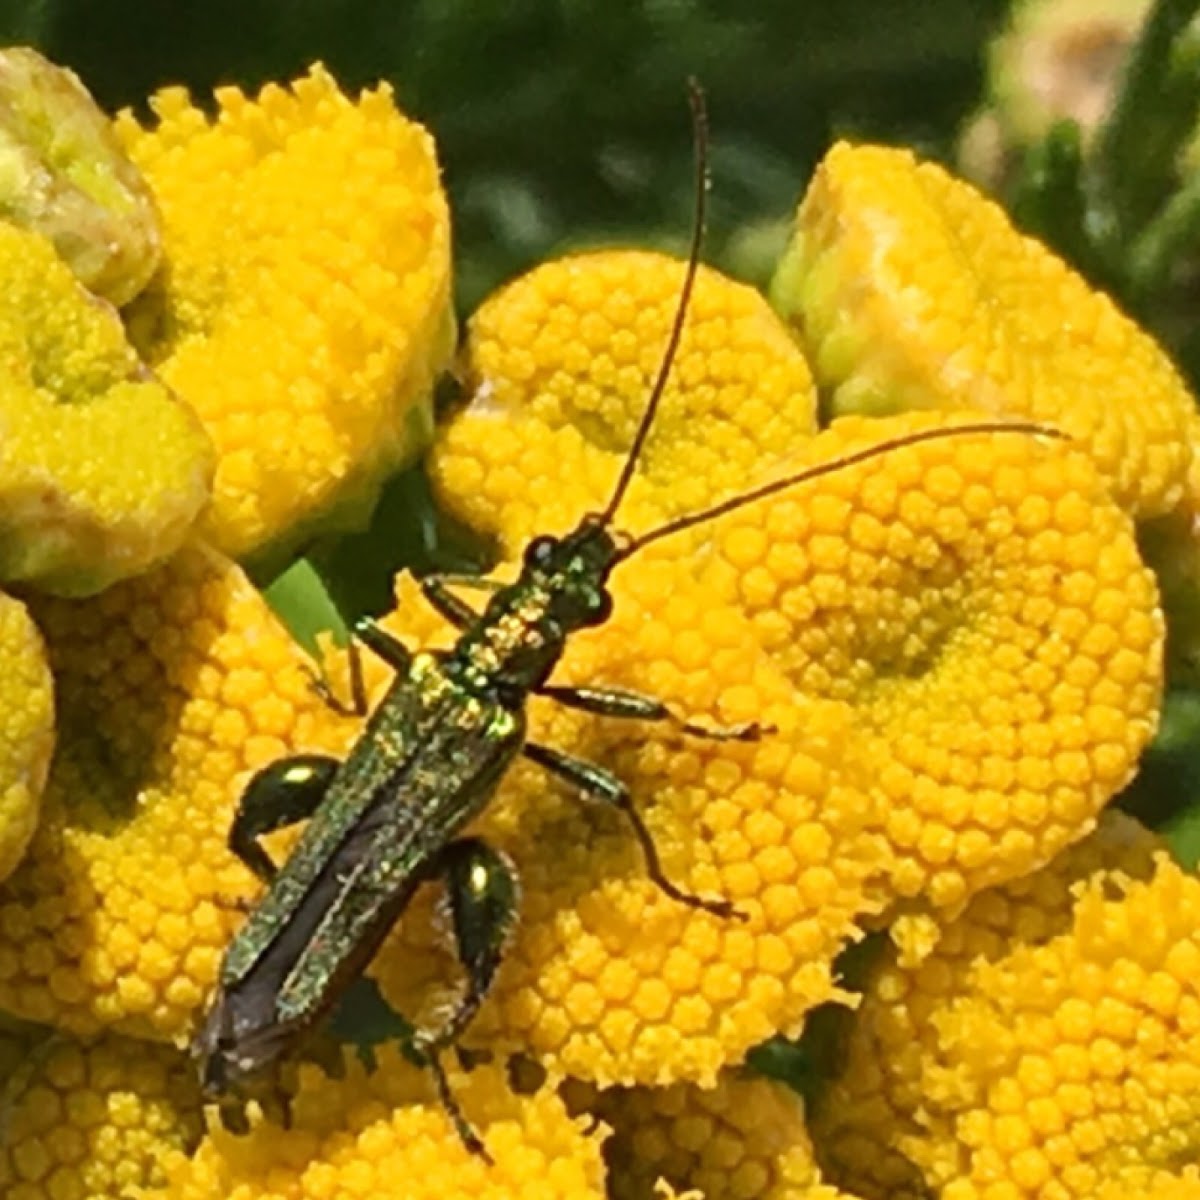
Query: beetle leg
[319, 679]
[274, 1101]
[286, 791]
[383, 644]
[327, 1052]
[480, 583]
[449, 1102]
[276, 1104]
[482, 895]
[365, 632]
[233, 1116]
[458, 612]
[619, 702]
[599, 784]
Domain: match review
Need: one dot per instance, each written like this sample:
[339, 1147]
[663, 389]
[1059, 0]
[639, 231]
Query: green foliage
[1125, 210]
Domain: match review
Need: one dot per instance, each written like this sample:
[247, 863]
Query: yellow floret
[981, 608]
[104, 471]
[1046, 1045]
[745, 1139]
[171, 688]
[914, 291]
[94, 1121]
[382, 1136]
[958, 650]
[560, 365]
[1158, 1185]
[304, 309]
[26, 730]
[1171, 545]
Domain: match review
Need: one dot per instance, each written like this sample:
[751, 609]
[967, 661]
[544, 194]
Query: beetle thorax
[562, 588]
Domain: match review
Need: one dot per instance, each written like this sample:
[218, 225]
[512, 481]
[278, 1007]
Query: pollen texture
[1044, 1046]
[104, 470]
[172, 688]
[912, 290]
[94, 1120]
[745, 1139]
[26, 730]
[383, 1136]
[559, 366]
[304, 307]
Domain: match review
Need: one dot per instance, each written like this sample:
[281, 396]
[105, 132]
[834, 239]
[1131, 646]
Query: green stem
[1121, 144]
[1173, 233]
[1048, 199]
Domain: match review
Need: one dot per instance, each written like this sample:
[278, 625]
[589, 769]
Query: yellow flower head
[382, 1136]
[64, 174]
[94, 1121]
[1045, 1046]
[956, 645]
[304, 305]
[559, 366]
[745, 1139]
[171, 688]
[912, 290]
[27, 733]
[104, 471]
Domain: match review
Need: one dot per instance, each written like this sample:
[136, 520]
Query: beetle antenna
[700, 154]
[832, 467]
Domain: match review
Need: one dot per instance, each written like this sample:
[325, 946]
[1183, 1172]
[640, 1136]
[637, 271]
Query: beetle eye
[600, 609]
[540, 551]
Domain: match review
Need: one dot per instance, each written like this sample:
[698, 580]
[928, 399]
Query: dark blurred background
[565, 123]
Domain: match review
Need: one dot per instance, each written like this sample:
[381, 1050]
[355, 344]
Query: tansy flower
[1159, 1185]
[104, 470]
[559, 367]
[744, 1139]
[64, 174]
[303, 308]
[172, 687]
[955, 645]
[911, 290]
[27, 732]
[94, 1121]
[381, 1135]
[1045, 1045]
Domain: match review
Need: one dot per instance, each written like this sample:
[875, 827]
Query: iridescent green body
[427, 762]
